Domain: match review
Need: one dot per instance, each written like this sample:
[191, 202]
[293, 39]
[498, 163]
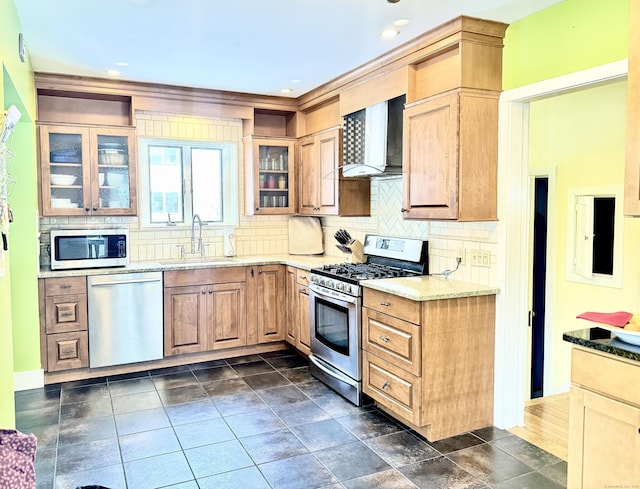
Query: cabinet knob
[203, 292]
[404, 210]
[257, 208]
[95, 208]
[384, 339]
[385, 304]
[211, 291]
[87, 209]
[385, 385]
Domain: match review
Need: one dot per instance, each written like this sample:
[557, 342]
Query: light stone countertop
[422, 288]
[305, 262]
[428, 288]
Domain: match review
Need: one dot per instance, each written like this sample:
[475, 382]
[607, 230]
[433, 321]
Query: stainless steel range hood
[373, 140]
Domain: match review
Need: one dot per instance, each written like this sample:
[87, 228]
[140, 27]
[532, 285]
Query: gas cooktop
[363, 271]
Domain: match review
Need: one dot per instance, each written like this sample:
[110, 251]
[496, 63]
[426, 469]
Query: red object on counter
[620, 318]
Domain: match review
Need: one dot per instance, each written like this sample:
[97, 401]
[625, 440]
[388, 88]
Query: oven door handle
[332, 294]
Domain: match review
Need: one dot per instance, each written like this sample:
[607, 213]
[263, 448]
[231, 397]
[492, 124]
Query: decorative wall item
[9, 119]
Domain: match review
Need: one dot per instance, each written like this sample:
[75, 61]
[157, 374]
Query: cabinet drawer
[394, 340]
[302, 277]
[66, 313]
[392, 387]
[393, 305]
[65, 286]
[606, 375]
[67, 350]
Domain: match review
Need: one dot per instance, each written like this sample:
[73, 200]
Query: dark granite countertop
[603, 340]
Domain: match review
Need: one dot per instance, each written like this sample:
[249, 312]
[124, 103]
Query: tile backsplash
[257, 235]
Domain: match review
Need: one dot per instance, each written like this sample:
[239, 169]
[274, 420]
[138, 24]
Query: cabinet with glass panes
[270, 175]
[86, 170]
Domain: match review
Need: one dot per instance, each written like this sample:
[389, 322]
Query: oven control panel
[334, 284]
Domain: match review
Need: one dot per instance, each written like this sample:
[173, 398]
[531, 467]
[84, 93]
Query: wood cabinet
[270, 175]
[632, 160]
[303, 342]
[298, 322]
[63, 318]
[204, 309]
[604, 421]
[323, 189]
[270, 296]
[450, 157]
[430, 364]
[87, 170]
[291, 311]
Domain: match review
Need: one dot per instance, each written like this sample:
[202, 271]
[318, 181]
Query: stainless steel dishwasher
[125, 318]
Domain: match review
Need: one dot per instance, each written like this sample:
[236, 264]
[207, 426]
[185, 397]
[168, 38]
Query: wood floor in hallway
[546, 424]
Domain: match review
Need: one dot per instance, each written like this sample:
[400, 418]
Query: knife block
[357, 251]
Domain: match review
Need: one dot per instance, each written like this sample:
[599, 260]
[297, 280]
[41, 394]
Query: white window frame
[229, 182]
[580, 235]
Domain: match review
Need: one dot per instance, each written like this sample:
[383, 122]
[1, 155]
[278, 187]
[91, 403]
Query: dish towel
[619, 318]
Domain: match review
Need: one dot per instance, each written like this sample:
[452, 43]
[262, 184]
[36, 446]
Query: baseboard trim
[31, 379]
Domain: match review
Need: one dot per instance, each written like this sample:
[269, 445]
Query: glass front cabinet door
[270, 175]
[87, 171]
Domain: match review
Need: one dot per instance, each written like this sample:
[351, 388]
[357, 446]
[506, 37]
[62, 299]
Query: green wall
[18, 299]
[570, 36]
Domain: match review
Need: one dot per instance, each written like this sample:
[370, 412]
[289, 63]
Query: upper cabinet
[450, 157]
[87, 154]
[323, 189]
[87, 170]
[450, 130]
[632, 166]
[270, 175]
[270, 162]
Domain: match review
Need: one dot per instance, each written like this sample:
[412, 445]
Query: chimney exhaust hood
[373, 140]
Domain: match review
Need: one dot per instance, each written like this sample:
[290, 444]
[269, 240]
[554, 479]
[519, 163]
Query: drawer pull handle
[68, 351]
[384, 338]
[65, 314]
[385, 304]
[65, 286]
[385, 385]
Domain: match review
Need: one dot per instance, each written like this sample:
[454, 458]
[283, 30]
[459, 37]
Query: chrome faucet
[193, 235]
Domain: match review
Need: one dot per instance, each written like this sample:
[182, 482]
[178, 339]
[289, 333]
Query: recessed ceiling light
[389, 33]
[295, 81]
[286, 90]
[401, 22]
[122, 63]
[112, 72]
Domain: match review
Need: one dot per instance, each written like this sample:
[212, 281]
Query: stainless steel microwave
[89, 248]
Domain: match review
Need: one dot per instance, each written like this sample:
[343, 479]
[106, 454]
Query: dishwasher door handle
[119, 282]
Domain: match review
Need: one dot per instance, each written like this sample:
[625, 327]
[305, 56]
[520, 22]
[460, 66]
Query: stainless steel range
[336, 303]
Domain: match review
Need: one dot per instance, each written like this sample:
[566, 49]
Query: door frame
[513, 232]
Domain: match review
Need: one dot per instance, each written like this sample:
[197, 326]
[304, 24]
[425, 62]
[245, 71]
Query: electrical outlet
[461, 254]
[480, 258]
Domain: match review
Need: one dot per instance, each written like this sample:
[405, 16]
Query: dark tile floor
[260, 421]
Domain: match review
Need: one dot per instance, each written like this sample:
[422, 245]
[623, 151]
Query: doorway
[513, 235]
[538, 285]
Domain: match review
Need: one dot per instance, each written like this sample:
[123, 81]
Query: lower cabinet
[430, 364]
[204, 309]
[298, 326]
[269, 291]
[63, 323]
[604, 422]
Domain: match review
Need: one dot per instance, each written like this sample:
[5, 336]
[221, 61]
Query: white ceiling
[255, 46]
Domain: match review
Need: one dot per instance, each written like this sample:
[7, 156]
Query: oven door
[335, 329]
